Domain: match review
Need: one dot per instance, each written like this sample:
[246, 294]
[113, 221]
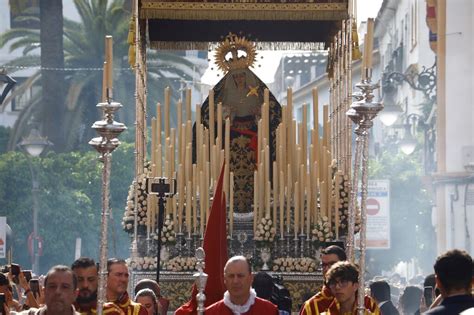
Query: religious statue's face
[239, 79]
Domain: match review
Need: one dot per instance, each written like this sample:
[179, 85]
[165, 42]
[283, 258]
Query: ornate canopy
[293, 24]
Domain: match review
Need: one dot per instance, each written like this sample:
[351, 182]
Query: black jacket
[453, 305]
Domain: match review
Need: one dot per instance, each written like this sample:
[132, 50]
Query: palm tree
[52, 82]
[83, 59]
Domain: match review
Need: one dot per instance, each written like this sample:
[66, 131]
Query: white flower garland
[180, 264]
[129, 215]
[322, 231]
[265, 231]
[290, 264]
[142, 263]
[168, 235]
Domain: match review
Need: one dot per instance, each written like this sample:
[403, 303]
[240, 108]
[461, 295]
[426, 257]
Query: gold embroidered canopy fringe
[273, 24]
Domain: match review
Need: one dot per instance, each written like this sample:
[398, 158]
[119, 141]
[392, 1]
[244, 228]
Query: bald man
[240, 297]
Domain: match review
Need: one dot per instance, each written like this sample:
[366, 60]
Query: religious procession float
[288, 186]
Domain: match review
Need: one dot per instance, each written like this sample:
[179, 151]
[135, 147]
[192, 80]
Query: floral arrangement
[265, 232]
[289, 264]
[180, 264]
[322, 231]
[142, 263]
[129, 216]
[168, 235]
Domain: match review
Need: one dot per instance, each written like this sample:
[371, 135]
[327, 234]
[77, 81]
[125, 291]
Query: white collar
[240, 309]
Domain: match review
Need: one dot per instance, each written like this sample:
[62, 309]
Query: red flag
[215, 247]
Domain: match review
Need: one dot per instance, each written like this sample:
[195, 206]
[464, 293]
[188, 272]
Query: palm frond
[16, 33]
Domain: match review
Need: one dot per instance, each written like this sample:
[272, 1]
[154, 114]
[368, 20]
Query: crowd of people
[73, 290]
[446, 292]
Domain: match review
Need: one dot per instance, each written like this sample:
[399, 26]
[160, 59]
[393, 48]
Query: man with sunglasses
[322, 300]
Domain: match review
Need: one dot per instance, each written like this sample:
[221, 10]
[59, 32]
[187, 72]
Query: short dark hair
[336, 250]
[4, 279]
[61, 268]
[343, 270]
[380, 290]
[454, 270]
[83, 262]
[114, 261]
[410, 299]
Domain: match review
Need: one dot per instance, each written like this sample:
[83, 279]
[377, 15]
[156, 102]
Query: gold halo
[233, 44]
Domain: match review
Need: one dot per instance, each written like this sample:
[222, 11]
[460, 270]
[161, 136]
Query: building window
[414, 24]
[20, 101]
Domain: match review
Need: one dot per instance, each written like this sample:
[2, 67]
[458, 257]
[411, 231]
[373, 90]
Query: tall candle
[202, 200]
[227, 154]
[302, 196]
[255, 201]
[308, 205]
[109, 58]
[211, 117]
[189, 194]
[323, 198]
[195, 198]
[179, 126]
[153, 147]
[337, 201]
[188, 104]
[370, 41]
[167, 111]
[181, 193]
[104, 82]
[275, 193]
[282, 202]
[231, 204]
[158, 123]
[297, 208]
[288, 197]
[364, 58]
[219, 124]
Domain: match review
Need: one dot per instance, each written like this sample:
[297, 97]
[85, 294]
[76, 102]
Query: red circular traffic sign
[373, 206]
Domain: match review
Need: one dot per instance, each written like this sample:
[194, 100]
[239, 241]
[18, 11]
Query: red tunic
[260, 307]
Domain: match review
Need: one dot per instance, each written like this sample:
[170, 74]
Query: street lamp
[34, 145]
[408, 143]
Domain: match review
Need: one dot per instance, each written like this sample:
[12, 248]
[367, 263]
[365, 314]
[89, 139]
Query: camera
[161, 186]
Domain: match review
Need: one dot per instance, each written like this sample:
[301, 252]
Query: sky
[269, 62]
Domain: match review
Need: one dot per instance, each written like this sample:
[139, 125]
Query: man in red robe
[240, 298]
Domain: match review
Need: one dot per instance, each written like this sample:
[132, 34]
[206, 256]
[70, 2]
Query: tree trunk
[52, 57]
